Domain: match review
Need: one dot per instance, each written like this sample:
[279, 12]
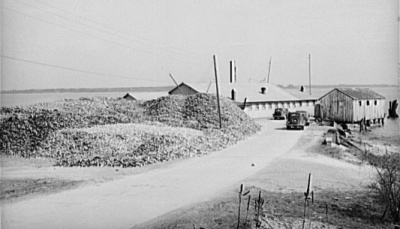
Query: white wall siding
[266, 109]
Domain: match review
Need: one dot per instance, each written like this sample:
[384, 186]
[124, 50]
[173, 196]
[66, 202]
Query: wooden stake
[216, 83]
[247, 211]
[306, 198]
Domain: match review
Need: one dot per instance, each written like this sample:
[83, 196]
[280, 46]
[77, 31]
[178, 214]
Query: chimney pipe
[263, 90]
[233, 94]
[232, 72]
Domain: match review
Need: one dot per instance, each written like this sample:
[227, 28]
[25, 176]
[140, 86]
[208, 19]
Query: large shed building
[258, 100]
[350, 105]
[261, 98]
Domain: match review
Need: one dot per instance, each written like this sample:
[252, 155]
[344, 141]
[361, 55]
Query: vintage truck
[280, 113]
[295, 120]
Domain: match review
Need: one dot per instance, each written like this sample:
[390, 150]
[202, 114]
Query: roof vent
[263, 90]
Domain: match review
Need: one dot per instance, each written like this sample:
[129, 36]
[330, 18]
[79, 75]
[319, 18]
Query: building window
[376, 102]
[367, 102]
[360, 102]
[301, 104]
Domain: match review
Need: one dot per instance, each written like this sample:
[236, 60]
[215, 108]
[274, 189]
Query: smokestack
[233, 94]
[232, 72]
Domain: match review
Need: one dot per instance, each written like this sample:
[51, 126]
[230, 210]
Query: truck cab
[280, 113]
[295, 120]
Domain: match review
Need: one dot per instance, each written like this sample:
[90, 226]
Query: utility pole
[216, 83]
[309, 71]
[269, 68]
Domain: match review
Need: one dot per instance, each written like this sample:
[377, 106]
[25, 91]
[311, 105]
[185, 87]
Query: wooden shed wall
[338, 106]
[371, 111]
[185, 90]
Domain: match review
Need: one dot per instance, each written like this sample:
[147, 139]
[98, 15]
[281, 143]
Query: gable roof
[129, 95]
[358, 93]
[301, 95]
[251, 91]
[197, 87]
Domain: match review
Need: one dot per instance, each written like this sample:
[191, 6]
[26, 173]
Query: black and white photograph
[199, 114]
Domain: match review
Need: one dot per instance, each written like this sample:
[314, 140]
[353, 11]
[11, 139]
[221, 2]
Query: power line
[78, 70]
[123, 32]
[99, 29]
[86, 34]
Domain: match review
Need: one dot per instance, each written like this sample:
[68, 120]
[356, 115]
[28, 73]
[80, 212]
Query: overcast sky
[130, 43]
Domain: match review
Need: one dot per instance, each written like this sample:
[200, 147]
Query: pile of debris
[122, 145]
[199, 111]
[24, 130]
[89, 132]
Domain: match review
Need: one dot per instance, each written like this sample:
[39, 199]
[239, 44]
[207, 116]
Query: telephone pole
[309, 71]
[216, 83]
[269, 68]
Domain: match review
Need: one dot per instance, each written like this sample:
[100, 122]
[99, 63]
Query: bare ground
[24, 179]
[337, 183]
[340, 183]
[132, 197]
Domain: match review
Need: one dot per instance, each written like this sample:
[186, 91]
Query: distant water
[391, 128]
[9, 100]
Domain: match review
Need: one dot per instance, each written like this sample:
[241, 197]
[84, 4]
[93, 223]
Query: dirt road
[135, 199]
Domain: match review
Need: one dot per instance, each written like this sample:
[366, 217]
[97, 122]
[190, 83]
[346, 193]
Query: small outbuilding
[129, 96]
[350, 105]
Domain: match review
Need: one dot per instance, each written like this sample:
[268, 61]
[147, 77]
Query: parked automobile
[307, 116]
[280, 113]
[295, 120]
